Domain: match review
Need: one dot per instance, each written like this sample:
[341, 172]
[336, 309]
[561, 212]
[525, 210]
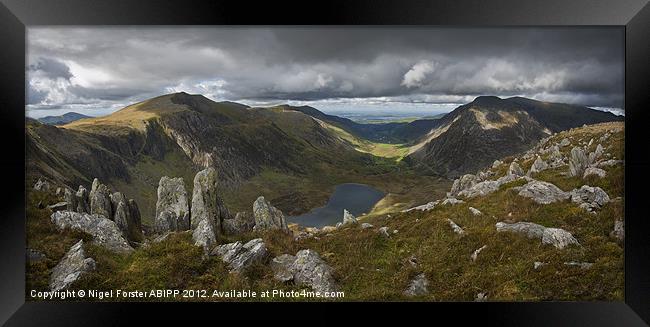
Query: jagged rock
[541, 192]
[496, 164]
[32, 256]
[597, 153]
[205, 216]
[103, 230]
[243, 222]
[418, 286]
[515, 169]
[608, 163]
[73, 265]
[126, 216]
[42, 185]
[565, 141]
[481, 297]
[451, 201]
[552, 236]
[59, 191]
[100, 201]
[578, 162]
[281, 267]
[83, 205]
[464, 182]
[366, 226]
[239, 256]
[348, 218]
[268, 217]
[594, 171]
[457, 229]
[538, 165]
[537, 265]
[619, 230]
[475, 211]
[59, 206]
[70, 199]
[308, 269]
[581, 265]
[172, 207]
[384, 231]
[475, 254]
[589, 198]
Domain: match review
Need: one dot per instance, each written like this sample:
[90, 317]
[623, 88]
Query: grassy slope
[370, 267]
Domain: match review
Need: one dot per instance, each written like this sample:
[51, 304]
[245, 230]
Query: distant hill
[475, 134]
[63, 119]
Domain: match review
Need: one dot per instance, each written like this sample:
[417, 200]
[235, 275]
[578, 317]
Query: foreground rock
[464, 182]
[127, 216]
[589, 198]
[172, 207]
[348, 218]
[578, 162]
[268, 217]
[306, 268]
[240, 256]
[73, 265]
[418, 286]
[103, 230]
[553, 236]
[100, 200]
[206, 215]
[541, 192]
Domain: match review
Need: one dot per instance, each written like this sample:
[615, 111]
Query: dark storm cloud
[403, 64]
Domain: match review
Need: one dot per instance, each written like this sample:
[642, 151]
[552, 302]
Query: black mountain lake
[356, 198]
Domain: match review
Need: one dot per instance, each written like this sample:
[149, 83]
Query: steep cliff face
[474, 135]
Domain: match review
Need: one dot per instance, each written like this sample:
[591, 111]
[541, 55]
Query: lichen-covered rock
[126, 216]
[451, 201]
[240, 256]
[578, 162]
[457, 229]
[515, 169]
[542, 192]
[425, 207]
[172, 207]
[103, 230]
[309, 269]
[590, 198]
[348, 218]
[70, 199]
[42, 185]
[496, 164]
[593, 171]
[281, 267]
[475, 211]
[59, 206]
[418, 286]
[557, 237]
[206, 215]
[538, 166]
[565, 141]
[268, 217]
[73, 265]
[243, 222]
[619, 230]
[464, 182]
[100, 201]
[83, 205]
[608, 163]
[593, 156]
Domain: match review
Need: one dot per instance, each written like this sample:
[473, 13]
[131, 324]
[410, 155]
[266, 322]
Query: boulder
[541, 192]
[619, 230]
[348, 218]
[172, 207]
[42, 185]
[565, 141]
[590, 198]
[557, 237]
[243, 222]
[593, 156]
[538, 166]
[206, 215]
[515, 169]
[100, 201]
[73, 265]
[103, 230]
[457, 229]
[464, 182]
[268, 217]
[384, 231]
[305, 269]
[475, 211]
[418, 286]
[240, 256]
[496, 164]
[83, 205]
[366, 226]
[578, 162]
[593, 171]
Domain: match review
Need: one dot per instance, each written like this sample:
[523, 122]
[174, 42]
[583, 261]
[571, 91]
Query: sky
[427, 70]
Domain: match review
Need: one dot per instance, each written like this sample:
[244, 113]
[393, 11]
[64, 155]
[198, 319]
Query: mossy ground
[369, 266]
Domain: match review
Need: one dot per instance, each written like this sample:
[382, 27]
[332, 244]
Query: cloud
[102, 67]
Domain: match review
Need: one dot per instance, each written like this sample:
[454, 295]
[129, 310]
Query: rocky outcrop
[464, 182]
[552, 236]
[206, 215]
[305, 269]
[418, 286]
[172, 208]
[348, 218]
[126, 216]
[103, 230]
[83, 205]
[515, 169]
[538, 166]
[73, 265]
[486, 187]
[598, 152]
[268, 217]
[240, 256]
[593, 171]
[100, 201]
[243, 222]
[589, 198]
[70, 199]
[541, 192]
[578, 162]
